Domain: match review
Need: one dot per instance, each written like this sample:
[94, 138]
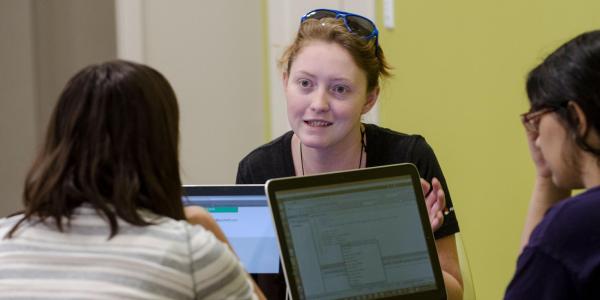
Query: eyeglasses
[531, 120]
[356, 24]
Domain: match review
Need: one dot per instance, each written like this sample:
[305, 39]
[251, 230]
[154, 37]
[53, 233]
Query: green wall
[458, 80]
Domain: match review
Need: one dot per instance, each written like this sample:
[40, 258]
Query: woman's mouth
[317, 123]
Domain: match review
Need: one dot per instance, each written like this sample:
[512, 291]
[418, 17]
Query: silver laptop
[362, 234]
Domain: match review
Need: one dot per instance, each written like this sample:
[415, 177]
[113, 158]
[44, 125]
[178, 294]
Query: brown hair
[112, 142]
[367, 55]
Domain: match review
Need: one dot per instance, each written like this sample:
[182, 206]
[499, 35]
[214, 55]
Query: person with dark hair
[560, 256]
[331, 78]
[103, 214]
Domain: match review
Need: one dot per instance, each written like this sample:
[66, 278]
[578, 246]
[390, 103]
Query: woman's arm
[435, 200]
[448, 256]
[199, 216]
[545, 193]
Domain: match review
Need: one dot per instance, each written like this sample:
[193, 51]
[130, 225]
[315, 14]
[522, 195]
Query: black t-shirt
[384, 147]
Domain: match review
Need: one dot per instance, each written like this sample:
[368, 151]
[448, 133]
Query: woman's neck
[344, 156]
[590, 172]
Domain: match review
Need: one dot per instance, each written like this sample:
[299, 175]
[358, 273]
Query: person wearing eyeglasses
[331, 78]
[103, 214]
[560, 256]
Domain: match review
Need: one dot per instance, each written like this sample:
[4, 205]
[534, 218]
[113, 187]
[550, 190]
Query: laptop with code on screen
[243, 214]
[361, 234]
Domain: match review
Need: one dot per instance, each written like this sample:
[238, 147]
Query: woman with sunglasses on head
[560, 258]
[331, 78]
[103, 213]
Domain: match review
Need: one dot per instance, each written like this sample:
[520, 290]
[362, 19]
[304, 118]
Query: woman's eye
[304, 83]
[340, 89]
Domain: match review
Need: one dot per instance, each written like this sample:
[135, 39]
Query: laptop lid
[361, 234]
[243, 214]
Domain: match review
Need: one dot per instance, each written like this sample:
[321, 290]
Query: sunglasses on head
[356, 24]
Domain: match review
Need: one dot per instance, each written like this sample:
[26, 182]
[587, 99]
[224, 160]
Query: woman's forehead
[325, 59]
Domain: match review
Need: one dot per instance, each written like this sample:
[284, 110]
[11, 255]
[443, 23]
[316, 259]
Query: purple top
[562, 259]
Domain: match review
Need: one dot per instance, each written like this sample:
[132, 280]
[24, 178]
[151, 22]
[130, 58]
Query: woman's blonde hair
[367, 54]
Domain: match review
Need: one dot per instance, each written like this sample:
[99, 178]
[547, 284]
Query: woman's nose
[320, 102]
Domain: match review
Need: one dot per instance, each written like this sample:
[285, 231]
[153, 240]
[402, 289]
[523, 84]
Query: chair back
[465, 269]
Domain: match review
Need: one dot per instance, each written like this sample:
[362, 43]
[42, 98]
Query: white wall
[17, 100]
[69, 35]
[211, 51]
[43, 44]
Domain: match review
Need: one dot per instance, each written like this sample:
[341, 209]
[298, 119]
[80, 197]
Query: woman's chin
[315, 145]
[313, 142]
[566, 183]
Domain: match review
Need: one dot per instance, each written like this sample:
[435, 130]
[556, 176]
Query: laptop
[361, 234]
[243, 214]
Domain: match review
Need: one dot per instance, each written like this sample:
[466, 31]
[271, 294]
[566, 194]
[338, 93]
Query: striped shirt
[169, 260]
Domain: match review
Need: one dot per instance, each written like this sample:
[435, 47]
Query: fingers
[437, 221]
[441, 196]
[425, 186]
[429, 200]
[435, 201]
[541, 167]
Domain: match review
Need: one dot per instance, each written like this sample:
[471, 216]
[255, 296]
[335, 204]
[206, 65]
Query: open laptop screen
[356, 239]
[243, 214]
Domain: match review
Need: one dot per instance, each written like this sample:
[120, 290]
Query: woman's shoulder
[7, 223]
[386, 135]
[181, 232]
[577, 210]
[384, 142]
[275, 147]
[10, 219]
[568, 234]
[272, 160]
[570, 223]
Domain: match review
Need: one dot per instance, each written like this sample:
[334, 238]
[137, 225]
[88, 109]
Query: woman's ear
[578, 117]
[284, 80]
[371, 100]
[583, 129]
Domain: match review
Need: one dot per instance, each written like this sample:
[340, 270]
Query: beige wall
[17, 100]
[43, 44]
[69, 35]
[211, 52]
